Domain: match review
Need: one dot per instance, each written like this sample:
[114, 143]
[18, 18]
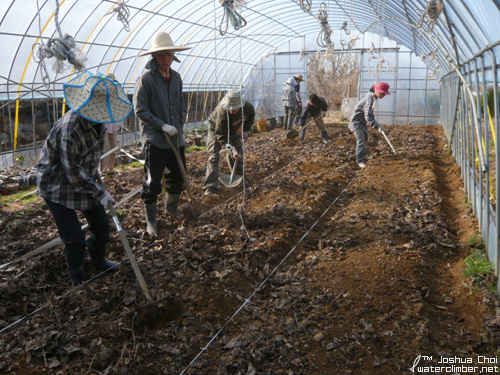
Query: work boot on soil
[171, 203]
[77, 276]
[98, 257]
[151, 210]
[324, 137]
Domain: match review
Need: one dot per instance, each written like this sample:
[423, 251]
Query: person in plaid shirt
[67, 170]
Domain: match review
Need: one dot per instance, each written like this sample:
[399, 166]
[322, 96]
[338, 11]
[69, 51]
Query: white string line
[269, 276]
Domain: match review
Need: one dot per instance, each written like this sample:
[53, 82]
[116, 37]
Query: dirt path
[339, 271]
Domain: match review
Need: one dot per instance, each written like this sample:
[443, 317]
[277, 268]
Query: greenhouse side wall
[470, 118]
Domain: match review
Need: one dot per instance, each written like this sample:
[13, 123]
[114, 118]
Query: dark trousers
[73, 237]
[157, 159]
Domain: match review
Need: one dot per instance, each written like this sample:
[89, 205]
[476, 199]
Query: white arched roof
[464, 28]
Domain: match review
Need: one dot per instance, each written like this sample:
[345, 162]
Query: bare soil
[316, 267]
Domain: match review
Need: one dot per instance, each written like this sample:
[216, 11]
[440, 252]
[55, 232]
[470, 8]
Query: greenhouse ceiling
[109, 35]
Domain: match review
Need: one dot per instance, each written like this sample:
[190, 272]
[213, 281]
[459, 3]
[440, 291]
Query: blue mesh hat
[97, 98]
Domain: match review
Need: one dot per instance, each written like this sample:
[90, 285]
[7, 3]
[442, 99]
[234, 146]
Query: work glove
[169, 129]
[106, 199]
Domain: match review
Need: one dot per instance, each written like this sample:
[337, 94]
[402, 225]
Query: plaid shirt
[362, 115]
[69, 162]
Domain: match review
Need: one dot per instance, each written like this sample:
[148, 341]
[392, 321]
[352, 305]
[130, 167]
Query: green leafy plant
[20, 160]
[195, 148]
[477, 265]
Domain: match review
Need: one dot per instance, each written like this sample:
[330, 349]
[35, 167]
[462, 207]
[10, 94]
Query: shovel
[387, 139]
[192, 209]
[292, 133]
[231, 180]
[128, 250]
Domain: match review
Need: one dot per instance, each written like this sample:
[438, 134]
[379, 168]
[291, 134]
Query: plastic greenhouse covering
[441, 59]
[111, 45]
[254, 45]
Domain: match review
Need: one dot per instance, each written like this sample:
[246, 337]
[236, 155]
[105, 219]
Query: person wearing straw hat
[159, 106]
[230, 121]
[362, 116]
[67, 170]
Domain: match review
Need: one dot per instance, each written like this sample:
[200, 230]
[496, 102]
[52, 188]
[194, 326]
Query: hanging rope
[62, 48]
[305, 5]
[431, 13]
[231, 15]
[122, 13]
[324, 36]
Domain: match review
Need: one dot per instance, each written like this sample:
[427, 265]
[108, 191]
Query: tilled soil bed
[316, 267]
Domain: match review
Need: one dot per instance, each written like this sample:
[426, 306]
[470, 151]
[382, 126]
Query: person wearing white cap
[231, 120]
[67, 170]
[159, 106]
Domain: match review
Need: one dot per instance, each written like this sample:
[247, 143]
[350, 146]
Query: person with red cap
[362, 116]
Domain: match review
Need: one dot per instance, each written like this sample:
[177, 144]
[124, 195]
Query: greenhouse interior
[368, 244]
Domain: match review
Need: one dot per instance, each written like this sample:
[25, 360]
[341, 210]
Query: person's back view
[289, 101]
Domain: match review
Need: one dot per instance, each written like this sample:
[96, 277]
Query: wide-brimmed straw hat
[382, 87]
[162, 42]
[97, 98]
[232, 100]
[299, 77]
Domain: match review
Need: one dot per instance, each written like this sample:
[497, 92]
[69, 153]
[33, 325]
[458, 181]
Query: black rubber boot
[171, 203]
[97, 252]
[302, 135]
[324, 137]
[151, 211]
[77, 276]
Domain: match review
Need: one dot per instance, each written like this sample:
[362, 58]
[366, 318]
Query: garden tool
[292, 133]
[387, 139]
[192, 209]
[231, 180]
[128, 249]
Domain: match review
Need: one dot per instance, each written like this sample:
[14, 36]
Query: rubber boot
[77, 276]
[98, 256]
[324, 137]
[151, 210]
[302, 135]
[171, 203]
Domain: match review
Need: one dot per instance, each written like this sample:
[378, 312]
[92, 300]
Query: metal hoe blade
[231, 180]
[128, 250]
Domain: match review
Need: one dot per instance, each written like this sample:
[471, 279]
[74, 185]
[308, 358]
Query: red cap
[382, 87]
